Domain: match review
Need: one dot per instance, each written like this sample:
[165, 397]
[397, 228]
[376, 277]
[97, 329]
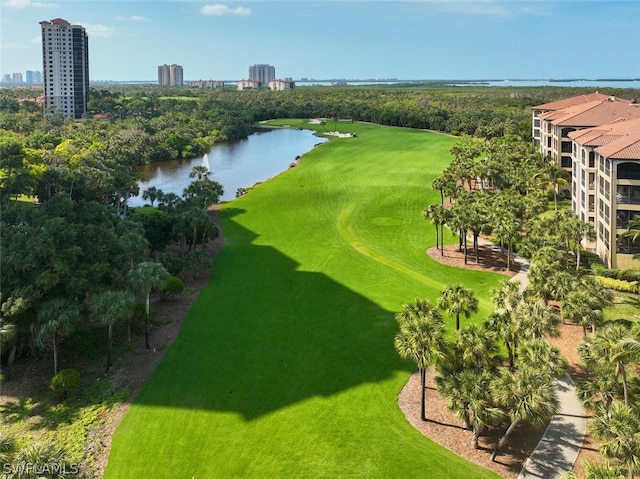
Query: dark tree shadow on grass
[264, 335]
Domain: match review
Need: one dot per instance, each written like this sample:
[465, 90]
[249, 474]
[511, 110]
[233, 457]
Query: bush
[172, 286]
[172, 262]
[65, 382]
[601, 270]
[632, 274]
[618, 284]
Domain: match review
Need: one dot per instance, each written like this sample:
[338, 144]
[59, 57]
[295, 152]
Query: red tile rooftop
[576, 100]
[593, 113]
[619, 140]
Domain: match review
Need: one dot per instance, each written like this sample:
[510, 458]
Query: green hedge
[619, 284]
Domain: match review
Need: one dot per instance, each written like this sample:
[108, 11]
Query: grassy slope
[285, 366]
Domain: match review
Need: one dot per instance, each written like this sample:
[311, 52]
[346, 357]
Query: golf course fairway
[285, 365]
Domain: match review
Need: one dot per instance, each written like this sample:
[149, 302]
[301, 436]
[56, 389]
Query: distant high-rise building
[6, 78]
[16, 78]
[33, 77]
[65, 67]
[170, 75]
[262, 73]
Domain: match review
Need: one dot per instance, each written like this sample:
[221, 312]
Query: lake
[235, 164]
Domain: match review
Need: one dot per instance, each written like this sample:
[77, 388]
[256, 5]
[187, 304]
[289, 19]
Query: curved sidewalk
[558, 449]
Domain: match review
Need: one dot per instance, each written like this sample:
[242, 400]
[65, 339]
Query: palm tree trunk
[442, 240]
[110, 335]
[457, 321]
[146, 324]
[475, 438]
[465, 248]
[475, 245]
[504, 438]
[55, 354]
[423, 383]
[625, 389]
[437, 235]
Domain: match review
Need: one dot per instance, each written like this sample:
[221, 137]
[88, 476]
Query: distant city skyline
[357, 39]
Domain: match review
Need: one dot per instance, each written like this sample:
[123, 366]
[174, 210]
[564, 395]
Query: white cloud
[37, 39]
[219, 10]
[8, 46]
[98, 30]
[28, 3]
[133, 18]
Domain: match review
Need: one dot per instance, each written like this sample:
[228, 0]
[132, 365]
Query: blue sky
[321, 39]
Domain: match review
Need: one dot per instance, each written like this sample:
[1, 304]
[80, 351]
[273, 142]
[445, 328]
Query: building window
[623, 217]
[628, 195]
[626, 246]
[629, 171]
[565, 162]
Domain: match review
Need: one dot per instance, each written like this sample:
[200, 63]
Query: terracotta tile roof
[593, 113]
[619, 140]
[575, 100]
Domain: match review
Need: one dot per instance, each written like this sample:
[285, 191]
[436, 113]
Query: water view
[235, 164]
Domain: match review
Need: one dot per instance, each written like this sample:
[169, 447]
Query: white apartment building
[248, 84]
[65, 68]
[170, 75]
[606, 186]
[209, 84]
[280, 85]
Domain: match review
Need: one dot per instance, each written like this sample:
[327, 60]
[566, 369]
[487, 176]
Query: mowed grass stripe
[285, 365]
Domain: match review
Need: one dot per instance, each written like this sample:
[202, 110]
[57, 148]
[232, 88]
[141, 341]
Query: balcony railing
[627, 200]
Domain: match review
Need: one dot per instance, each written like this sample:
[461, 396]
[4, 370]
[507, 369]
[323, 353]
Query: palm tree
[420, 339]
[152, 194]
[573, 231]
[601, 388]
[561, 284]
[477, 346]
[57, 317]
[619, 428]
[439, 215]
[612, 344]
[577, 307]
[528, 395]
[501, 323]
[109, 307]
[539, 354]
[534, 320]
[508, 296]
[143, 279]
[508, 228]
[555, 176]
[457, 300]
[602, 471]
[467, 395]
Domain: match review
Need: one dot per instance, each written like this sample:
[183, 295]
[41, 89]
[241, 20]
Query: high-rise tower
[262, 73]
[65, 68]
[170, 75]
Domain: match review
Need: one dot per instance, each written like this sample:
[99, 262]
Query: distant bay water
[235, 164]
[635, 83]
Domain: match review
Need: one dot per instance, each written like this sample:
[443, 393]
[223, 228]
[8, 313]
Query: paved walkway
[558, 449]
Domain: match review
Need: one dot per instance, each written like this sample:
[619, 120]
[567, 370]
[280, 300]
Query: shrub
[618, 284]
[172, 286]
[632, 274]
[601, 270]
[65, 382]
[172, 262]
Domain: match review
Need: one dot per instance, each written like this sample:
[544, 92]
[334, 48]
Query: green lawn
[285, 366]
